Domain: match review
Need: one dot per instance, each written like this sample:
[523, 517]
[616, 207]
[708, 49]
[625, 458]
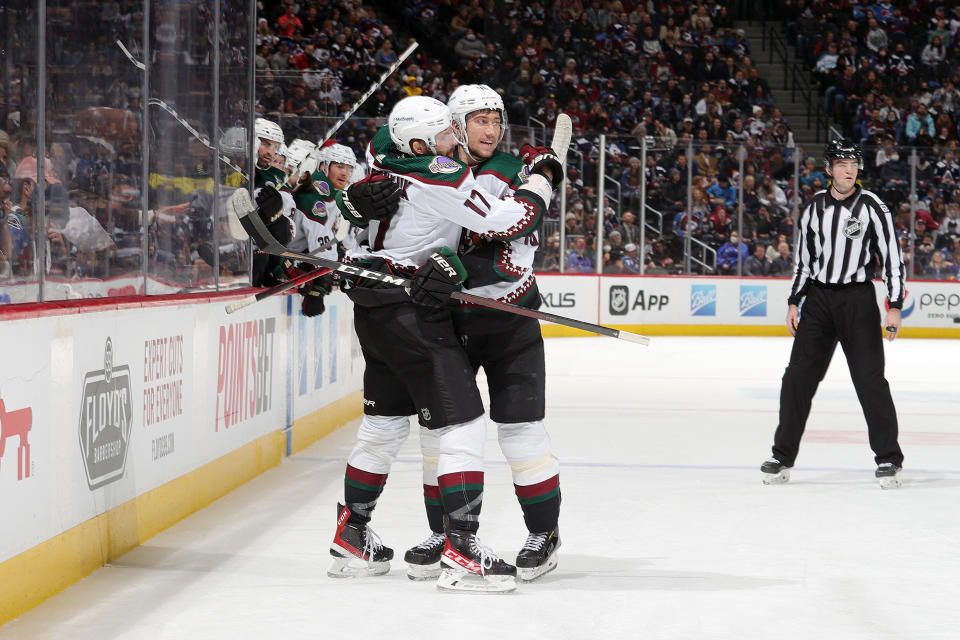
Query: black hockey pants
[847, 315]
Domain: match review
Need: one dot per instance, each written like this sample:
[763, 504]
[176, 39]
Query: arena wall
[121, 418]
[675, 305]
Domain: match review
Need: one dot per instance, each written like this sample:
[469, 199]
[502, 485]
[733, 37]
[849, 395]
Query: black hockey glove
[435, 281]
[373, 198]
[269, 205]
[313, 294]
[541, 158]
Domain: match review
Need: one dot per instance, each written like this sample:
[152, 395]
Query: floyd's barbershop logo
[105, 425]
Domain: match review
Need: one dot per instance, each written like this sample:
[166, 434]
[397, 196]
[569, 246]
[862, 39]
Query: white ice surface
[667, 531]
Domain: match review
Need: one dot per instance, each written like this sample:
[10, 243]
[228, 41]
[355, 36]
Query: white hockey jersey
[315, 219]
[497, 269]
[440, 198]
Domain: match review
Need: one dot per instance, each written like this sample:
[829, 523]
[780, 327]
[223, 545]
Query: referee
[845, 233]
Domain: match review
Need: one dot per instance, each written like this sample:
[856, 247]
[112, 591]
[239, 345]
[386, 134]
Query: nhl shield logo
[852, 228]
[618, 300]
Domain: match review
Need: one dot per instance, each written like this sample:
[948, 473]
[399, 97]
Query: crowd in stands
[93, 177]
[887, 73]
[678, 76]
[669, 72]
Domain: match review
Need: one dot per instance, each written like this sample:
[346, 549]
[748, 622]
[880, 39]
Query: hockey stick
[176, 116]
[550, 317]
[276, 289]
[244, 208]
[562, 132]
[373, 88]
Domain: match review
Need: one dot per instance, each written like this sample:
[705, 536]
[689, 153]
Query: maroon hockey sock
[434, 505]
[361, 490]
[540, 504]
[462, 495]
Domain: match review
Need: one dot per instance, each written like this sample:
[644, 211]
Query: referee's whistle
[891, 328]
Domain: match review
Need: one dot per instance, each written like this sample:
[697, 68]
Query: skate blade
[777, 478]
[423, 571]
[453, 580]
[529, 574]
[891, 482]
[353, 567]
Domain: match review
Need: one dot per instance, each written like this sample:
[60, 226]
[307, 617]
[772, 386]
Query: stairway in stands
[793, 107]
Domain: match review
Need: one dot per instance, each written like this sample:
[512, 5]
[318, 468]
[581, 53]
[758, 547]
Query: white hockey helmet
[418, 118]
[233, 142]
[468, 98]
[312, 161]
[338, 153]
[297, 152]
[267, 130]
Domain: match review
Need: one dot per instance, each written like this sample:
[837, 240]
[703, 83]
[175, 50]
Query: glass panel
[18, 135]
[93, 205]
[234, 113]
[181, 166]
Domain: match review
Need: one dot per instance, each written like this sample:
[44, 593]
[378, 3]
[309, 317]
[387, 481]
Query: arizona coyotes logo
[16, 423]
[319, 210]
[323, 189]
[852, 228]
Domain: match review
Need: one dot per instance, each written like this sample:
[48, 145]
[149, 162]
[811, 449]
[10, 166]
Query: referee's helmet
[842, 149]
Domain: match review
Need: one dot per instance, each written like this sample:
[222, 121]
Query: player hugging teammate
[457, 192]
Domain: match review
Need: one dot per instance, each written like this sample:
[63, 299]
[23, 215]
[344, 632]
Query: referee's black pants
[848, 315]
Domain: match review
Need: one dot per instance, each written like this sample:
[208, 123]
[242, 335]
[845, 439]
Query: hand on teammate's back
[373, 198]
[437, 279]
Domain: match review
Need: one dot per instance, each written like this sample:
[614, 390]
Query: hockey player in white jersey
[508, 347]
[275, 203]
[317, 217]
[414, 363]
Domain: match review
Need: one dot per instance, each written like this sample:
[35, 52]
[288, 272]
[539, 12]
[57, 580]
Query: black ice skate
[357, 550]
[423, 560]
[467, 565]
[774, 472]
[538, 555]
[889, 475]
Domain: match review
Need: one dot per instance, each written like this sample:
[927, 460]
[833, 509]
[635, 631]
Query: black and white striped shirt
[841, 241]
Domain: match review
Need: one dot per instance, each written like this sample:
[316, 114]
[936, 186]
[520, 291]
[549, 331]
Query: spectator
[629, 229]
[289, 25]
[631, 261]
[578, 261]
[729, 254]
[470, 47]
[723, 193]
[920, 129]
[783, 264]
[756, 264]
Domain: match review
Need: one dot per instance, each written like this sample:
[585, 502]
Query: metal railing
[704, 255]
